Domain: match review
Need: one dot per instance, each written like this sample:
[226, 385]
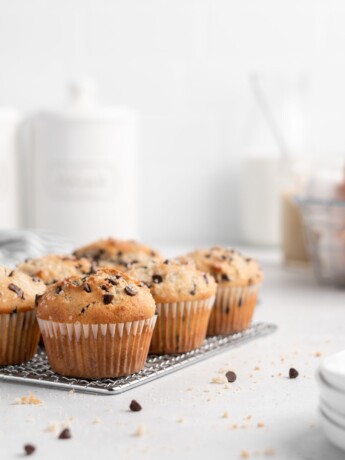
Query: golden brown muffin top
[55, 267]
[18, 291]
[229, 267]
[106, 296]
[117, 253]
[174, 280]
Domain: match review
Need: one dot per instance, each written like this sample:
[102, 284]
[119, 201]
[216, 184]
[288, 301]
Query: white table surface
[182, 413]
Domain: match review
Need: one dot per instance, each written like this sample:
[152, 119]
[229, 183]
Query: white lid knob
[83, 92]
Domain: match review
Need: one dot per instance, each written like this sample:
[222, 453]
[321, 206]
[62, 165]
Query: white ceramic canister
[85, 169]
[9, 177]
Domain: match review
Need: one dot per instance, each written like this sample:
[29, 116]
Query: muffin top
[106, 296]
[228, 266]
[174, 280]
[117, 253]
[54, 267]
[18, 291]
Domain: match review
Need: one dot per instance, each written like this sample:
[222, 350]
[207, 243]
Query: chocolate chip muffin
[55, 267]
[238, 279]
[19, 332]
[98, 325]
[117, 253]
[184, 298]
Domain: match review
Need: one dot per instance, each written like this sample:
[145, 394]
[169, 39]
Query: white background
[184, 64]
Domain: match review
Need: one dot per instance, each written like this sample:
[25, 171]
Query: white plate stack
[331, 383]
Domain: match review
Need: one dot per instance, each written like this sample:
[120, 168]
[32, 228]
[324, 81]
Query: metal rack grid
[38, 372]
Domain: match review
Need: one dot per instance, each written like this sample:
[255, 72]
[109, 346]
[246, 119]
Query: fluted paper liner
[19, 336]
[233, 309]
[181, 326]
[97, 350]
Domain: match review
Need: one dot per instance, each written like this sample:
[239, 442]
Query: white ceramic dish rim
[329, 374]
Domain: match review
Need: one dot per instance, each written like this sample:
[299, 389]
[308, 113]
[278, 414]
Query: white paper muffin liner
[97, 350]
[233, 309]
[19, 336]
[181, 326]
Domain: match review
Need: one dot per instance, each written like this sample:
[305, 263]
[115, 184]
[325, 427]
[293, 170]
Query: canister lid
[83, 105]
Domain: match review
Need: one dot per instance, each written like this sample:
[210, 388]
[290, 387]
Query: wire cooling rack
[38, 372]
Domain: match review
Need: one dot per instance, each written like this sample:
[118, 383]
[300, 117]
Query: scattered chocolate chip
[65, 434]
[58, 289]
[35, 279]
[11, 273]
[119, 253]
[130, 290]
[206, 278]
[17, 290]
[135, 406]
[207, 256]
[223, 257]
[118, 276]
[231, 376]
[14, 311]
[166, 262]
[87, 288]
[104, 288]
[293, 373]
[157, 279]
[225, 277]
[29, 449]
[107, 298]
[240, 302]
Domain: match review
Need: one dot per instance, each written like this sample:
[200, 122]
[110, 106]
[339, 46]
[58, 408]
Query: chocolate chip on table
[87, 288]
[65, 434]
[29, 449]
[157, 279]
[107, 299]
[16, 289]
[129, 290]
[135, 406]
[231, 376]
[293, 373]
